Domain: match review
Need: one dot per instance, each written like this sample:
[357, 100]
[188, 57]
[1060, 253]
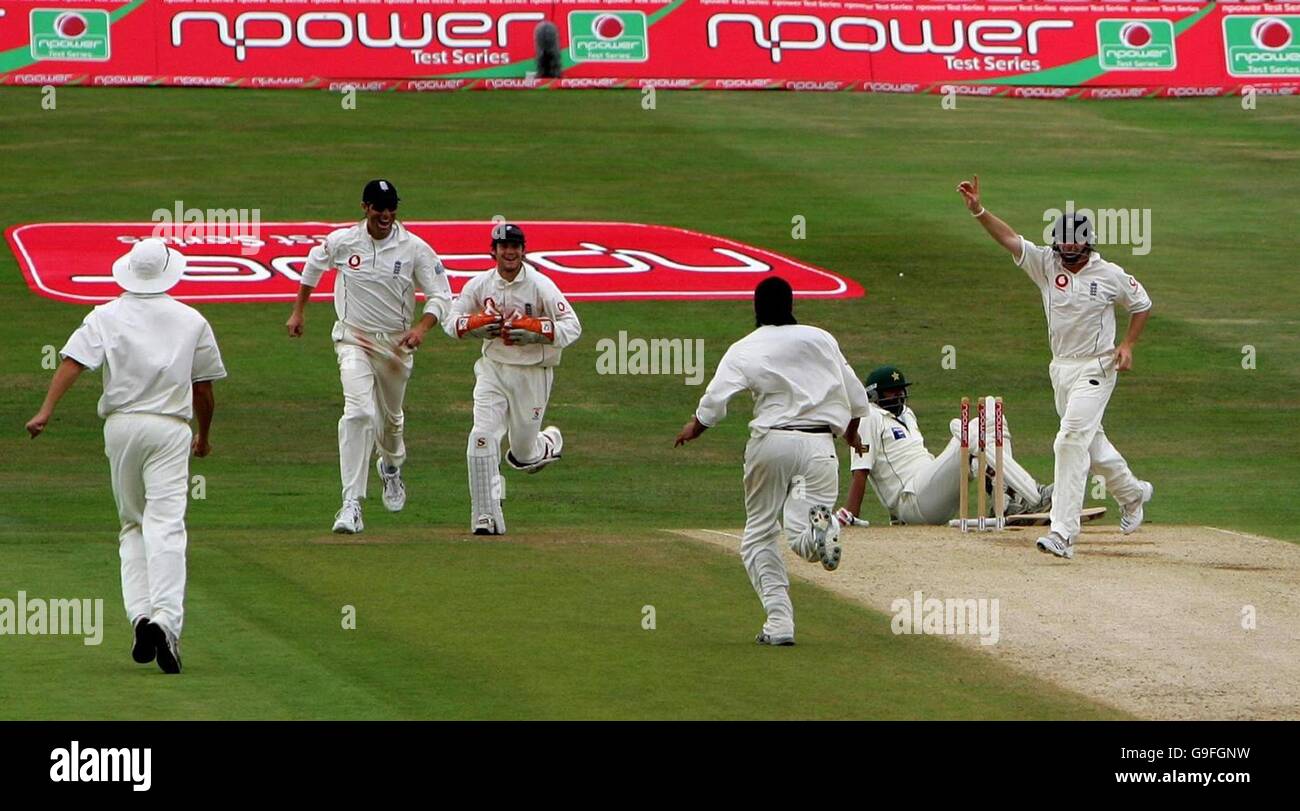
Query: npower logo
[1262, 45]
[329, 30]
[806, 32]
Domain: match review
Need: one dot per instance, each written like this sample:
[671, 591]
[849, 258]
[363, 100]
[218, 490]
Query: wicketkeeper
[524, 323]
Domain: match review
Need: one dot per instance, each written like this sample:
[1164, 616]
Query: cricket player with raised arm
[159, 359]
[805, 394]
[379, 265]
[1080, 291]
[524, 323]
[915, 486]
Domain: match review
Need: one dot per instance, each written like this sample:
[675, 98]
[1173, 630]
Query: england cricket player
[524, 323]
[914, 485]
[159, 359]
[805, 394]
[379, 265]
[1080, 291]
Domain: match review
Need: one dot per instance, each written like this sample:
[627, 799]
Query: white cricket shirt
[153, 349]
[895, 452]
[797, 376]
[531, 293]
[375, 289]
[1080, 307]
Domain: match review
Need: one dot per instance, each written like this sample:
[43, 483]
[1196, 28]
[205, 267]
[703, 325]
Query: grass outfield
[547, 623]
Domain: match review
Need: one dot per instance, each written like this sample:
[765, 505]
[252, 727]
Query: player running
[915, 486]
[524, 323]
[1080, 291]
[379, 265]
[159, 359]
[805, 394]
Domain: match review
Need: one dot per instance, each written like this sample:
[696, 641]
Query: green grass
[547, 624]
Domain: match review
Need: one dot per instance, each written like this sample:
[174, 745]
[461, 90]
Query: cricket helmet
[888, 378]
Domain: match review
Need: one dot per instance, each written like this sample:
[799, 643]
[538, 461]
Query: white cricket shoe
[487, 525]
[347, 520]
[825, 536]
[552, 444]
[1056, 545]
[1131, 515]
[394, 489]
[778, 641]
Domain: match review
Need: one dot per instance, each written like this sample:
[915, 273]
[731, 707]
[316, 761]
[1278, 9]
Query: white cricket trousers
[510, 400]
[932, 496]
[149, 462]
[374, 376]
[1083, 388]
[786, 473]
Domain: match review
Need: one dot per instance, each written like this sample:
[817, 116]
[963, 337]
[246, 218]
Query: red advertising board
[820, 45]
[602, 261]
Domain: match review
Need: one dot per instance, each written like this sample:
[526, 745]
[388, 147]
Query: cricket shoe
[552, 444]
[169, 649]
[1056, 545]
[394, 489]
[825, 535]
[347, 520]
[778, 641]
[1131, 515]
[487, 525]
[143, 647]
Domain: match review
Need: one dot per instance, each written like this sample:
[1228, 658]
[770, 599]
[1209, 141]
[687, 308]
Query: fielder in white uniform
[159, 359]
[379, 266]
[805, 394]
[1080, 291]
[915, 486]
[524, 323]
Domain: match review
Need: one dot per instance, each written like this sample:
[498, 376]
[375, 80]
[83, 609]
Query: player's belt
[806, 429]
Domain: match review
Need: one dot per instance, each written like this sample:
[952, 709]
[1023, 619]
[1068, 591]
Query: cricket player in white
[159, 359]
[1080, 291]
[914, 485]
[805, 394]
[379, 264]
[524, 323]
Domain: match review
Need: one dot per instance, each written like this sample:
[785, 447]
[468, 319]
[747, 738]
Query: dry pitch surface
[1150, 623]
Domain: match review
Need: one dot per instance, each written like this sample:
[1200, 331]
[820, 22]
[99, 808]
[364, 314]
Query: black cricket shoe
[169, 650]
[143, 649]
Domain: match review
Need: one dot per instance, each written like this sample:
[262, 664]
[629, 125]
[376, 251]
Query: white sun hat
[149, 267]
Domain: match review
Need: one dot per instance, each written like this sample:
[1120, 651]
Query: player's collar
[523, 269]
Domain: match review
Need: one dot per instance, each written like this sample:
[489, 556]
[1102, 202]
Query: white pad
[486, 487]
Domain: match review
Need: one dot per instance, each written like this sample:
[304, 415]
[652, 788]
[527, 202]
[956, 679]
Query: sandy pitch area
[1151, 623]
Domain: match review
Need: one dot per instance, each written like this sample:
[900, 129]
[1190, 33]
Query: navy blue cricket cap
[381, 194]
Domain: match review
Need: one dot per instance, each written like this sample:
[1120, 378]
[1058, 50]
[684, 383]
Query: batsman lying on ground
[913, 485]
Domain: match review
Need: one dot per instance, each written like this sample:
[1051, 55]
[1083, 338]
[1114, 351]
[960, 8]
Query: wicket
[981, 522]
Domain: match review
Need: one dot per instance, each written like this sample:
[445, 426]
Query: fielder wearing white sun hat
[149, 267]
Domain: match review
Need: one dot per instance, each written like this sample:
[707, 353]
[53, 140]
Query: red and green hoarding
[1036, 49]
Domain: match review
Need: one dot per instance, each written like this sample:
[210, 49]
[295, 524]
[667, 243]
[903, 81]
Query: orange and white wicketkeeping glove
[480, 325]
[528, 330]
